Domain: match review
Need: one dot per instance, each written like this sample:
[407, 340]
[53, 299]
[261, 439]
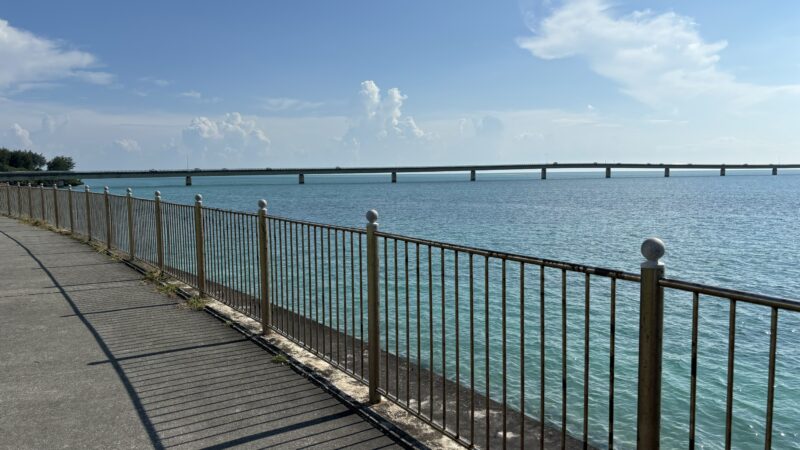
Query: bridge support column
[666, 172]
[544, 173]
[394, 177]
[188, 180]
[608, 172]
[722, 171]
[774, 170]
[301, 179]
[471, 175]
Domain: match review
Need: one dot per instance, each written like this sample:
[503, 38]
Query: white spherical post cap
[158, 193]
[372, 216]
[86, 187]
[198, 198]
[653, 249]
[130, 191]
[262, 204]
[105, 189]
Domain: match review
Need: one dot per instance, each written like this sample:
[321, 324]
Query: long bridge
[393, 170]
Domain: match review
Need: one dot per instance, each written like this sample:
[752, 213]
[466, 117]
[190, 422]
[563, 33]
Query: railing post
[651, 327]
[41, 195]
[373, 330]
[55, 204]
[263, 265]
[159, 233]
[30, 201]
[131, 234]
[71, 212]
[88, 213]
[8, 198]
[108, 217]
[198, 239]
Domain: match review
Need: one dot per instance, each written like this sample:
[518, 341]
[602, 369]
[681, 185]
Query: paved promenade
[91, 356]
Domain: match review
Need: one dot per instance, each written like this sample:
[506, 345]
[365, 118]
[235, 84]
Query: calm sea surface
[741, 231]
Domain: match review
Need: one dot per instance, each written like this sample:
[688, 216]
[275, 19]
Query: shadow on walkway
[192, 381]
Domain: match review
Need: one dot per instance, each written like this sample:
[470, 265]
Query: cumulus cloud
[658, 59]
[380, 118]
[127, 145]
[23, 136]
[31, 61]
[232, 137]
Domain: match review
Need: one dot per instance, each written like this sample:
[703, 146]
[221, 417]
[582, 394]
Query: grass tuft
[280, 359]
[197, 303]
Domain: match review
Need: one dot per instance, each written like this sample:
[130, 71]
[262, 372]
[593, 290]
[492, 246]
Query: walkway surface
[91, 356]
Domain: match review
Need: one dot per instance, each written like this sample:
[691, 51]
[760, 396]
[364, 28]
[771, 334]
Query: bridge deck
[93, 357]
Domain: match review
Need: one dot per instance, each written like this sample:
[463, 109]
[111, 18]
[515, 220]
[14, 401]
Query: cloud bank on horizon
[666, 97]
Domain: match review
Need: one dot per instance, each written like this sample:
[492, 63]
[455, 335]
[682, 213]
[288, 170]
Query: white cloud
[22, 135]
[127, 145]
[658, 59]
[381, 118]
[191, 94]
[30, 61]
[155, 81]
[288, 104]
[231, 138]
[199, 97]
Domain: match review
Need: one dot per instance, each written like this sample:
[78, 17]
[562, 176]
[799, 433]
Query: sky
[141, 85]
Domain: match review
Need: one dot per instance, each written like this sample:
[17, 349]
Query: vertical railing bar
[322, 265]
[71, 212]
[316, 292]
[503, 322]
[338, 315]
[306, 292]
[611, 361]
[430, 331]
[408, 328]
[471, 349]
[563, 358]
[396, 326]
[296, 250]
[361, 303]
[486, 349]
[693, 385]
[352, 303]
[330, 296]
[729, 393]
[444, 342]
[419, 334]
[541, 357]
[344, 295]
[55, 205]
[773, 341]
[201, 268]
[458, 346]
[522, 354]
[386, 303]
[586, 332]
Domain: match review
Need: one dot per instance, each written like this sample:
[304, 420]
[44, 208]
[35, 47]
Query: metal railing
[491, 348]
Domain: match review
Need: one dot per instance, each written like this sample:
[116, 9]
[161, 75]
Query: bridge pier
[774, 170]
[608, 172]
[471, 175]
[394, 177]
[188, 180]
[544, 173]
[666, 172]
[722, 171]
[301, 179]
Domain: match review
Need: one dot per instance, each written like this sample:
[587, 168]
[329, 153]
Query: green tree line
[26, 160]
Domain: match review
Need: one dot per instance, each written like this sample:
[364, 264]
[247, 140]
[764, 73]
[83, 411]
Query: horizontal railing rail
[494, 349]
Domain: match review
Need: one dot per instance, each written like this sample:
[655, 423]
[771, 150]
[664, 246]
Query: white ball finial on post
[198, 198]
[158, 194]
[130, 192]
[105, 189]
[262, 204]
[372, 216]
[653, 249]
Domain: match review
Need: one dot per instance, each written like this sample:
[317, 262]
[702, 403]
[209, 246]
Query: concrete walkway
[91, 356]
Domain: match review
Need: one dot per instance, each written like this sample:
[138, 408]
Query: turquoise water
[738, 231]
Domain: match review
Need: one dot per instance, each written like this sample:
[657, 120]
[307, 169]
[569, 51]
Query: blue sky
[253, 84]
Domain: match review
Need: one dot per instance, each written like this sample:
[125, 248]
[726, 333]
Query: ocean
[741, 231]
